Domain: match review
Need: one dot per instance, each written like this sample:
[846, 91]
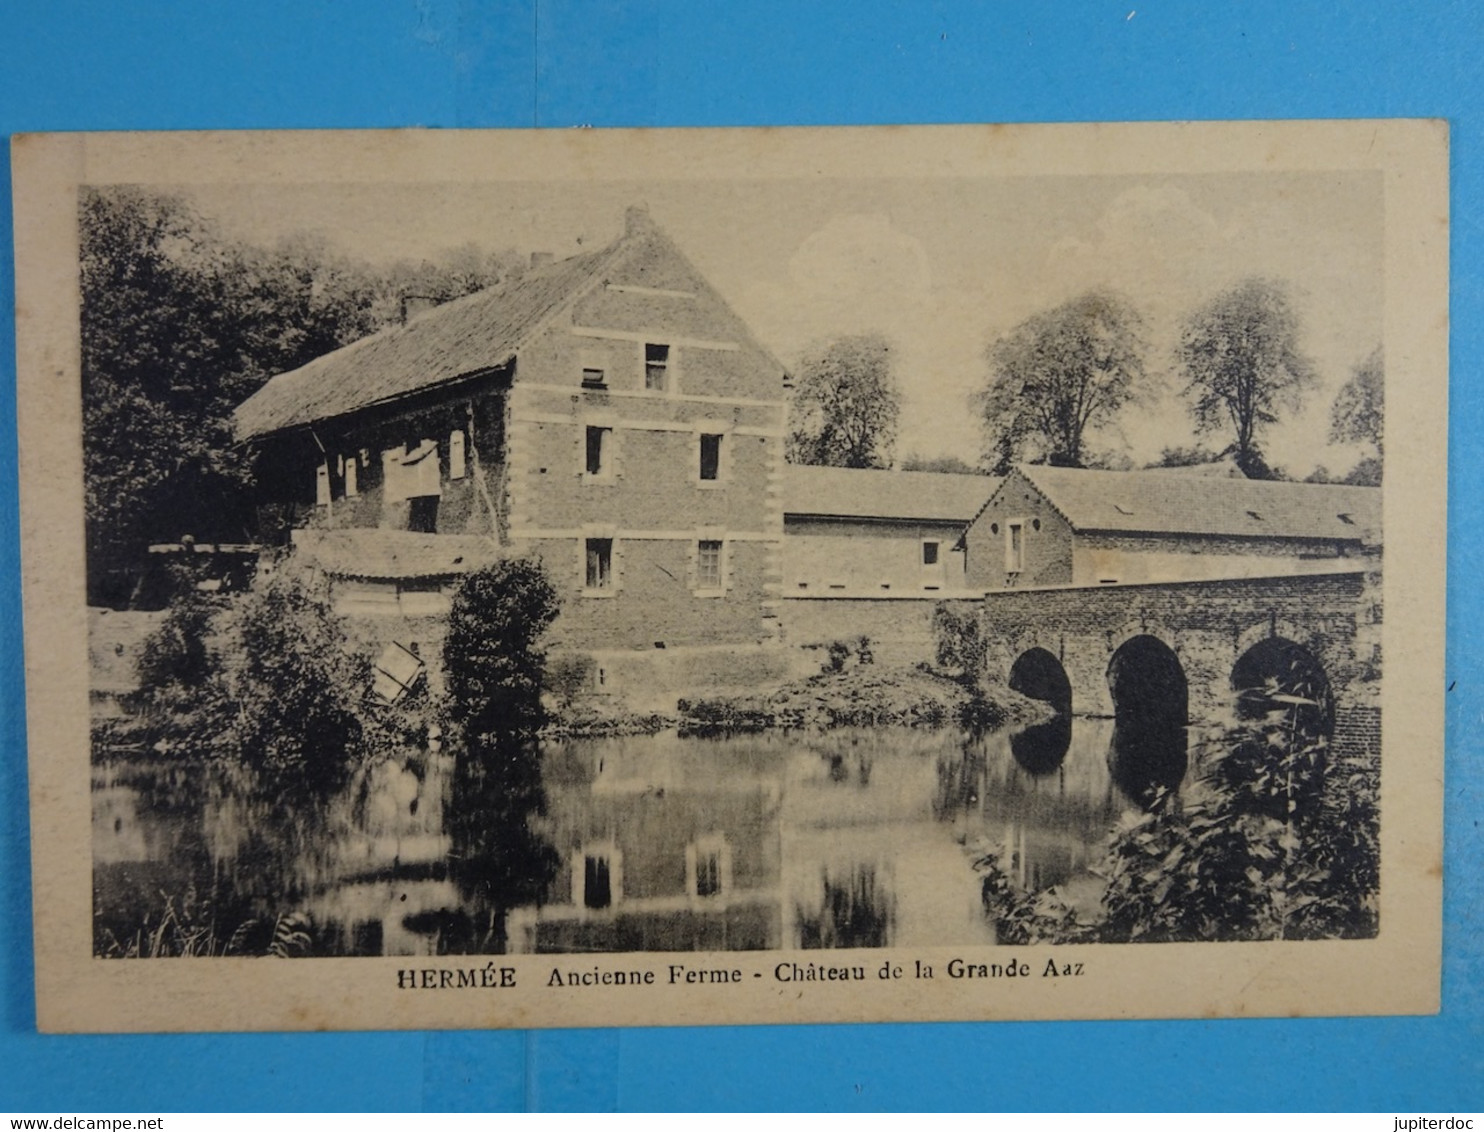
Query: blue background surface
[315, 63]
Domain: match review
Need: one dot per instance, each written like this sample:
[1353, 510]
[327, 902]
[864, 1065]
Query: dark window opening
[708, 873]
[598, 442]
[656, 366]
[599, 563]
[422, 514]
[929, 554]
[597, 884]
[710, 456]
[592, 378]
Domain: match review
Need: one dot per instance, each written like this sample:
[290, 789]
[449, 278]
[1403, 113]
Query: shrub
[1274, 841]
[298, 695]
[961, 643]
[492, 655]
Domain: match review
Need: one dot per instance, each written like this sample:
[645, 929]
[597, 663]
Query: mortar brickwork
[1209, 625]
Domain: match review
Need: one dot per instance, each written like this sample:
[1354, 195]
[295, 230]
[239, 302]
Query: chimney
[636, 220]
[414, 305]
[541, 259]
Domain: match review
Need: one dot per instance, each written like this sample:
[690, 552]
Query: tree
[950, 464]
[178, 327]
[1058, 375]
[1242, 362]
[493, 652]
[845, 406]
[1358, 416]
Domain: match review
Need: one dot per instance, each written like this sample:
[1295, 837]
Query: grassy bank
[865, 695]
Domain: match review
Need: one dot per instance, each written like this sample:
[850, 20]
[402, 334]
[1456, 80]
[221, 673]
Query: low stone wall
[653, 679]
[900, 629]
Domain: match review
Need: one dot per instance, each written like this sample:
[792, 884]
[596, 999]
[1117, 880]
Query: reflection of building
[760, 842]
[607, 412]
[663, 849]
[1048, 526]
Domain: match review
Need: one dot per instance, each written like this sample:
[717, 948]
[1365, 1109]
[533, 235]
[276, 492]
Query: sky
[941, 266]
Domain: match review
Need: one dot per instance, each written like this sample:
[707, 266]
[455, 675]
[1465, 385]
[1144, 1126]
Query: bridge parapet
[1208, 624]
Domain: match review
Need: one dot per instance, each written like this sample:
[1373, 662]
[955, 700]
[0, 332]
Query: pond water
[853, 838]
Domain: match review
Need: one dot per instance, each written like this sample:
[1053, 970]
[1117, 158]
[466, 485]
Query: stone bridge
[1188, 651]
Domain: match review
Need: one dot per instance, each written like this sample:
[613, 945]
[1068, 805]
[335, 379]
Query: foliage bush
[1274, 841]
[267, 682]
[961, 643]
[492, 655]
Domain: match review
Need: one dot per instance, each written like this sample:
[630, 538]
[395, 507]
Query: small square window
[598, 459]
[656, 367]
[599, 563]
[708, 564]
[710, 456]
[593, 378]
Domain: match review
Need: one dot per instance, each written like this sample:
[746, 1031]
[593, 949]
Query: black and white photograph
[725, 577]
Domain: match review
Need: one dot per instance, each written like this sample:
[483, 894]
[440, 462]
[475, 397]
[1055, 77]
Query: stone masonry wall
[1208, 624]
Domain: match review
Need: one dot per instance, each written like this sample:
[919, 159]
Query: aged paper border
[1397, 972]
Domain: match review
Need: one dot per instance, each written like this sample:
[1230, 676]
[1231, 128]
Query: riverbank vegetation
[1276, 839]
[852, 690]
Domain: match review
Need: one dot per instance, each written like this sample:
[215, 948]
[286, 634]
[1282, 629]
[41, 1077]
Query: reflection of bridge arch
[1037, 673]
[1151, 707]
[1277, 674]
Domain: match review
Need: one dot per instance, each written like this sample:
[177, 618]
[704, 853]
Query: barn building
[608, 413]
[1048, 526]
[863, 532]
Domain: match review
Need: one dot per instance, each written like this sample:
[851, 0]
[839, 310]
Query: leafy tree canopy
[178, 326]
[1358, 416]
[1242, 364]
[1059, 375]
[949, 464]
[846, 404]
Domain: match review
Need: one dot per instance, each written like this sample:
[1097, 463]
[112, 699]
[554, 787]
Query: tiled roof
[1166, 502]
[388, 555]
[469, 335]
[868, 493]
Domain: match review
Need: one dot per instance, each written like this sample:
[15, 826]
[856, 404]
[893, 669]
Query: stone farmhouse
[1048, 526]
[610, 414]
[607, 412]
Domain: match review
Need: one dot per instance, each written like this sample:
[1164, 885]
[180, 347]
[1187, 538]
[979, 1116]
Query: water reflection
[1040, 748]
[855, 838]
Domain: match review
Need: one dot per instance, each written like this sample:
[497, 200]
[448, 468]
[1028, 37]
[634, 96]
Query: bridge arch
[1279, 675]
[1041, 748]
[1038, 674]
[1151, 709]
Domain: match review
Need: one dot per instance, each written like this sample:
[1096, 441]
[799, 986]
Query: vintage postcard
[641, 577]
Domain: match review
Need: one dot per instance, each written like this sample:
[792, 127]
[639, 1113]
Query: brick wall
[900, 629]
[861, 556]
[1047, 559]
